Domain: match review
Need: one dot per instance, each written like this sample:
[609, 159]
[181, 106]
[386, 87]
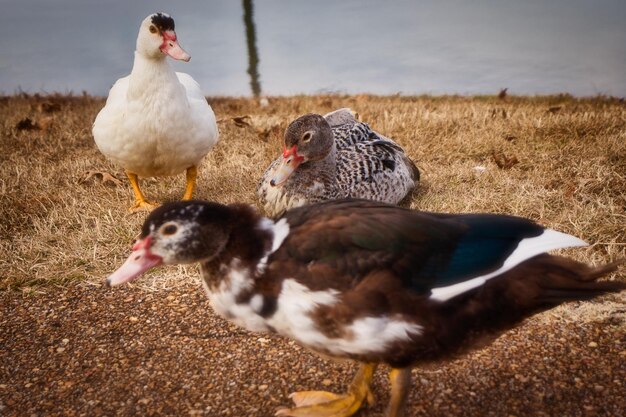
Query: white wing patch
[365, 335]
[526, 249]
[280, 231]
[374, 334]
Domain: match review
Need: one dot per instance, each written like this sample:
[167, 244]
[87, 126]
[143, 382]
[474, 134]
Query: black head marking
[197, 211]
[163, 21]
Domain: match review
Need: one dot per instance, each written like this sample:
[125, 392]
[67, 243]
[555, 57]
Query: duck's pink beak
[291, 161]
[171, 47]
[139, 261]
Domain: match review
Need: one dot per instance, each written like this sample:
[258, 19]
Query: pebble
[151, 359]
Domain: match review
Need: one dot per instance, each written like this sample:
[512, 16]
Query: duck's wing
[439, 256]
[371, 165]
[110, 117]
[390, 154]
[191, 86]
[117, 94]
[377, 170]
[341, 117]
[349, 133]
[205, 124]
[116, 100]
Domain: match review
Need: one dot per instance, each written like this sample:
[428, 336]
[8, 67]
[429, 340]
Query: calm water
[347, 46]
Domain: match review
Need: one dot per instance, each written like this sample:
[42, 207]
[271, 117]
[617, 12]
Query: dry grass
[570, 172]
[77, 349]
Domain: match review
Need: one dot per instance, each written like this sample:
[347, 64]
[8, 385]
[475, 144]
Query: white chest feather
[276, 200]
[224, 301]
[155, 122]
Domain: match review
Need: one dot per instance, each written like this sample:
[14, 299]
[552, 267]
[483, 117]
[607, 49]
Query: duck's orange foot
[324, 404]
[105, 177]
[327, 404]
[143, 205]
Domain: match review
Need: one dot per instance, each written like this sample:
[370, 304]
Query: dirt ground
[87, 350]
[70, 346]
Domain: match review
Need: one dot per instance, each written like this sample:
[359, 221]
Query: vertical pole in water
[253, 57]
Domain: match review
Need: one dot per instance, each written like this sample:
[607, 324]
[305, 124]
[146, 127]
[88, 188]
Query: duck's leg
[400, 379]
[192, 174]
[328, 404]
[140, 200]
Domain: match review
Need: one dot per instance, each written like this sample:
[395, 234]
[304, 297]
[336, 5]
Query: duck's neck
[324, 170]
[250, 239]
[149, 75]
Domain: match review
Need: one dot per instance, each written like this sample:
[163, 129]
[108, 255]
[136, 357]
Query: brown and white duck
[335, 156]
[368, 281]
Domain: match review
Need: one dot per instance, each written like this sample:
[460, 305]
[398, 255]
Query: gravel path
[88, 350]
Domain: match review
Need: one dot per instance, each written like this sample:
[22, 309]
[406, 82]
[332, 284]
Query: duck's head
[309, 138]
[178, 233]
[157, 38]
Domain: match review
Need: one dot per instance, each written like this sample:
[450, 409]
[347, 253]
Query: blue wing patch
[484, 247]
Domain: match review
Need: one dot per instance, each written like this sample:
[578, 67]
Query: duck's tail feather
[535, 285]
[568, 280]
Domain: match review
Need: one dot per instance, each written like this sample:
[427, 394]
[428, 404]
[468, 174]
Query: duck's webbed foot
[141, 204]
[328, 404]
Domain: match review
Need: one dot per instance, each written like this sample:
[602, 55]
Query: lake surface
[276, 47]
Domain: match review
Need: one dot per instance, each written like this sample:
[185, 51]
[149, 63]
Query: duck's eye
[153, 29]
[307, 137]
[169, 229]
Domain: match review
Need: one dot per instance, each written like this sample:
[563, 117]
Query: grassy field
[558, 160]
[154, 347]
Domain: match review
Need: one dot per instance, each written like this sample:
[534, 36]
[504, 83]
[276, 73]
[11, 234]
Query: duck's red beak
[291, 161]
[139, 261]
[171, 47]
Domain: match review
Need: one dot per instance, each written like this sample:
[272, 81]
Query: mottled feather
[363, 164]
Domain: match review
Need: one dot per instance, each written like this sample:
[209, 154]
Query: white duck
[156, 122]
